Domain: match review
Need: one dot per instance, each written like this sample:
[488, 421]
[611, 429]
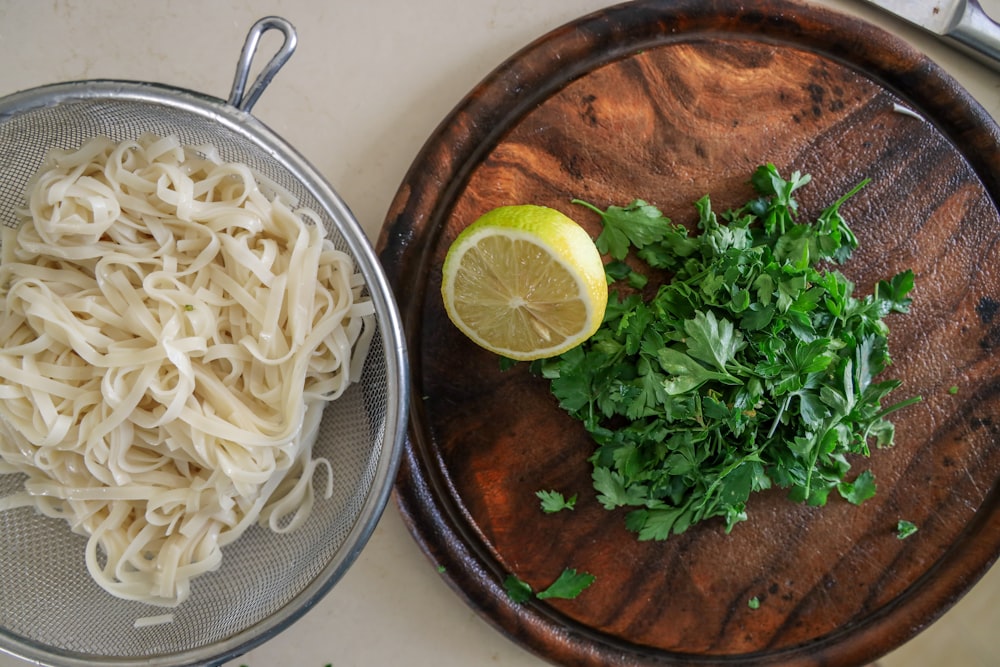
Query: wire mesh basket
[51, 611]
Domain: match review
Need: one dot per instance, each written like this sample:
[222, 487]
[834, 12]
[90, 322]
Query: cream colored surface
[368, 84]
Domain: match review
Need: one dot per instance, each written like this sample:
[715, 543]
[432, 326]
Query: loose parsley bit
[553, 501]
[567, 586]
[751, 368]
[905, 529]
[517, 590]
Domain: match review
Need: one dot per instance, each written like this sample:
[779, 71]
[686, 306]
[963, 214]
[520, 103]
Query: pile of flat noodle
[169, 337]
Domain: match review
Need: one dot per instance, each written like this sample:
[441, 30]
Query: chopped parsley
[754, 366]
[553, 501]
[567, 586]
[517, 590]
[860, 490]
[905, 529]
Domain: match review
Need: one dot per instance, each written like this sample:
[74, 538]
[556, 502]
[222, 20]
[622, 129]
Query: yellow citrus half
[525, 282]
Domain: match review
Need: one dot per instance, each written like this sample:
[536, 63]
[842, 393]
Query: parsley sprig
[752, 367]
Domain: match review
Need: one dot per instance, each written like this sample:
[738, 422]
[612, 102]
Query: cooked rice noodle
[170, 336]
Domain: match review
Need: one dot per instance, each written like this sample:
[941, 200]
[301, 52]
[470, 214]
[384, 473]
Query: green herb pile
[753, 366]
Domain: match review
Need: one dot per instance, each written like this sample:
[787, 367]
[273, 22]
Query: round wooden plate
[668, 101]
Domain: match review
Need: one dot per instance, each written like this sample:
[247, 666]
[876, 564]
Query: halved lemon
[525, 282]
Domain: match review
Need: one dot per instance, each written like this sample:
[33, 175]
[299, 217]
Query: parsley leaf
[517, 590]
[905, 529]
[569, 585]
[860, 490]
[712, 340]
[613, 491]
[553, 501]
[638, 224]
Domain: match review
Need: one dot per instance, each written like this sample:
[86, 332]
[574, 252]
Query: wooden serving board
[668, 101]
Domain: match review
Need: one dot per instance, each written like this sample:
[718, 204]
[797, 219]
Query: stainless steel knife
[963, 23]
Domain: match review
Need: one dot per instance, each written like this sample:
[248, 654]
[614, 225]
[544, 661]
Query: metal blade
[937, 16]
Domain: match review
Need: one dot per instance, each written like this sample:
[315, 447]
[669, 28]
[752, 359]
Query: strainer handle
[237, 98]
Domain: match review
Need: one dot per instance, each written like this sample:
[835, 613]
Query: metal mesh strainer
[51, 611]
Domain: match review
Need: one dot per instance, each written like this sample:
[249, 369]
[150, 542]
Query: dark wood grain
[669, 101]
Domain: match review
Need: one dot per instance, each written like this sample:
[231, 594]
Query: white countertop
[368, 84]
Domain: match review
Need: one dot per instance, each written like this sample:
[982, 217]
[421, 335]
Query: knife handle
[977, 34]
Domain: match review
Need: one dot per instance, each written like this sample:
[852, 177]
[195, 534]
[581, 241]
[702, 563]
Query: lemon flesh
[525, 282]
